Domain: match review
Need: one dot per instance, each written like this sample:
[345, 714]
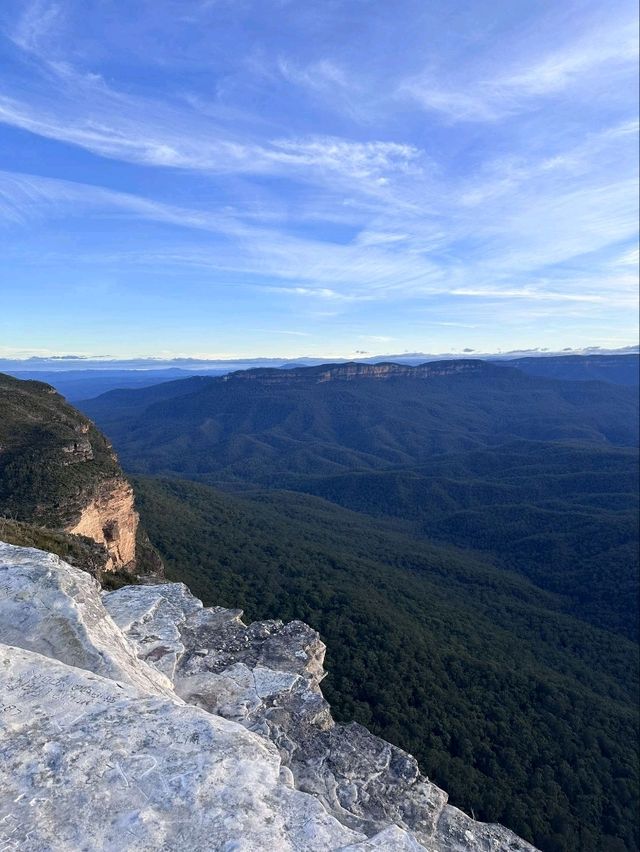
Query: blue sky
[326, 177]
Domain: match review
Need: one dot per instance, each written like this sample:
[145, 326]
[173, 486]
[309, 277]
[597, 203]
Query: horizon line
[72, 361]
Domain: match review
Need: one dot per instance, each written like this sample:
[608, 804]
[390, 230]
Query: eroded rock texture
[110, 519]
[138, 719]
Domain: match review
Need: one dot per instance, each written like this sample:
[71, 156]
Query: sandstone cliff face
[110, 519]
[354, 370]
[138, 720]
[349, 372]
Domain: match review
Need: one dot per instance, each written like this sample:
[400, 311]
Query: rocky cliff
[138, 719]
[59, 473]
[355, 370]
[109, 518]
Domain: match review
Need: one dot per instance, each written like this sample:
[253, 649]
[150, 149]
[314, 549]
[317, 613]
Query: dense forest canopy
[521, 712]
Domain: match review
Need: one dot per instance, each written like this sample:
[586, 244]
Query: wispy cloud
[558, 166]
[313, 292]
[529, 293]
[357, 159]
[323, 75]
[571, 68]
[327, 83]
[630, 258]
[25, 197]
[35, 24]
[264, 252]
[354, 271]
[80, 108]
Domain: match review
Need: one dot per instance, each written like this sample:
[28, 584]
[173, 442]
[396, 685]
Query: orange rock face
[111, 520]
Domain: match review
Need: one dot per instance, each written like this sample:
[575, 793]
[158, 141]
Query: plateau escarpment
[353, 370]
[59, 473]
[138, 719]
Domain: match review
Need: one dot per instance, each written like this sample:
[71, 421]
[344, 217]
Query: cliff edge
[138, 719]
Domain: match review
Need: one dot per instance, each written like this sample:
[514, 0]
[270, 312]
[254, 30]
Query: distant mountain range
[75, 385]
[621, 369]
[257, 425]
[77, 378]
[72, 362]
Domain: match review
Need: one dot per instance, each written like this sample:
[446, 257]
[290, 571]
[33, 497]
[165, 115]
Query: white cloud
[372, 238]
[528, 293]
[320, 76]
[617, 47]
[344, 273]
[629, 258]
[24, 197]
[356, 159]
[138, 131]
[360, 272]
[595, 153]
[35, 25]
[125, 130]
[574, 67]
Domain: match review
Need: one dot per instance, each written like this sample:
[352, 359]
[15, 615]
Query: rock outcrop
[110, 519]
[59, 473]
[138, 719]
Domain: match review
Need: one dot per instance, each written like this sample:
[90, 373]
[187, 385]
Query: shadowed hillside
[259, 424]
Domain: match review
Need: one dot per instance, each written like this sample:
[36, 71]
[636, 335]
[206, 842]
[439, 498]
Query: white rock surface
[90, 763]
[98, 752]
[50, 607]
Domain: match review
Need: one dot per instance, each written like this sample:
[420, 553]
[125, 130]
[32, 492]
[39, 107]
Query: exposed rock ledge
[139, 720]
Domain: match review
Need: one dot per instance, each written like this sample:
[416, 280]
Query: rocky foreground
[139, 720]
